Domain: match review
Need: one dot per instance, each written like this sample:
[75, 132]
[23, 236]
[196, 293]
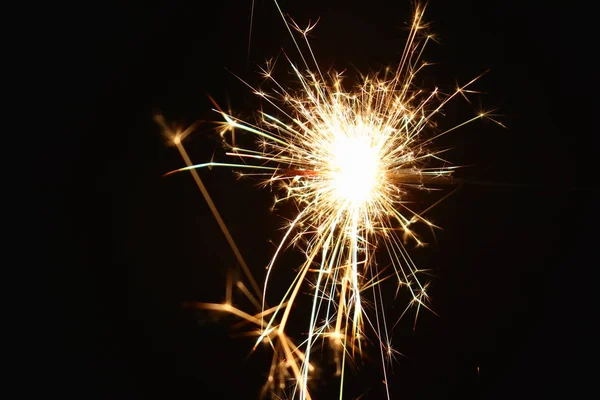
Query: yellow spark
[349, 159]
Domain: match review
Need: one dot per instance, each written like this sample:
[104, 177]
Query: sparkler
[349, 160]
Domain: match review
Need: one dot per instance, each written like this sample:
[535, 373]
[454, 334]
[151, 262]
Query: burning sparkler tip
[349, 161]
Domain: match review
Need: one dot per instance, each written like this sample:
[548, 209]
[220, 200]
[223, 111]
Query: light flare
[350, 159]
[355, 169]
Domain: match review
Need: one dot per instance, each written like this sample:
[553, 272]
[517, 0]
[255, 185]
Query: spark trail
[350, 160]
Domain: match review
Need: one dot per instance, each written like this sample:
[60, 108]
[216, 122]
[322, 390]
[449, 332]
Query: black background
[513, 265]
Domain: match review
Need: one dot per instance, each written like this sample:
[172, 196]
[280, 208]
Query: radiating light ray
[176, 137]
[351, 161]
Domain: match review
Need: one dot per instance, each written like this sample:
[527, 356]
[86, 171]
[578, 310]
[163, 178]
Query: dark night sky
[513, 264]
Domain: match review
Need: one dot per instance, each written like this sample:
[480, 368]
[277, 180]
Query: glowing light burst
[349, 159]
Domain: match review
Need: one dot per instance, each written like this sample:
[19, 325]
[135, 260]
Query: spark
[350, 159]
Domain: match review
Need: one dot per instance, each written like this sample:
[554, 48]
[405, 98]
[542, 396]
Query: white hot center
[355, 167]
